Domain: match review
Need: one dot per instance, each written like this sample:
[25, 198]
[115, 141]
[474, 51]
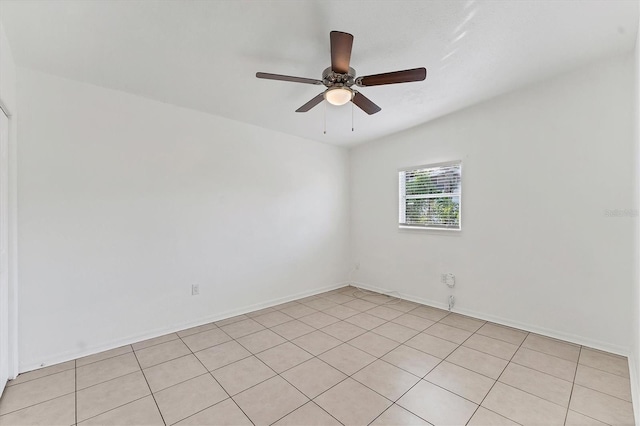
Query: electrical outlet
[357, 267]
[195, 289]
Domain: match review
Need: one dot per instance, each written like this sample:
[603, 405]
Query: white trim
[431, 165]
[71, 355]
[568, 337]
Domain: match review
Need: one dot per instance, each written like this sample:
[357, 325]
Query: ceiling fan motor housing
[331, 78]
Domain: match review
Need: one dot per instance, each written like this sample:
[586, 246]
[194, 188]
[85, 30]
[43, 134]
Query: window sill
[424, 228]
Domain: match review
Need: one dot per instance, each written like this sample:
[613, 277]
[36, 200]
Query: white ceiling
[204, 54]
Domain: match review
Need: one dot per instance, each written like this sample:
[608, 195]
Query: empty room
[286, 212]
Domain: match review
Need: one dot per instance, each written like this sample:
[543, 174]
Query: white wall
[8, 101]
[125, 202]
[540, 167]
[634, 359]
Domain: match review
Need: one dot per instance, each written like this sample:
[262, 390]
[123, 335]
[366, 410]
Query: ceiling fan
[340, 77]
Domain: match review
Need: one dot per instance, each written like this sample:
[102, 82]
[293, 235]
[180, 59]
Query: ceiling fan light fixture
[338, 95]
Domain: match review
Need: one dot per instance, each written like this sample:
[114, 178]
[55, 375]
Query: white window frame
[402, 198]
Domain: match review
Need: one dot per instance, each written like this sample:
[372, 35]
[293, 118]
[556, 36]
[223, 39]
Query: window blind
[430, 196]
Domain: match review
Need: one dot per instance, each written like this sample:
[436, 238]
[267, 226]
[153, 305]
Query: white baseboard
[71, 355]
[573, 338]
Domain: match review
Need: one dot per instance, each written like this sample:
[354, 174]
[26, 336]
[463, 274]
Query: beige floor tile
[142, 412]
[259, 312]
[384, 312]
[606, 362]
[172, 372]
[398, 416]
[319, 320]
[109, 395]
[261, 341]
[523, 407]
[576, 419]
[341, 312]
[379, 299]
[274, 318]
[107, 369]
[37, 391]
[436, 405]
[340, 298]
[316, 342]
[42, 372]
[414, 322]
[309, 414]
[386, 379]
[462, 382]
[206, 339]
[103, 355]
[231, 320]
[270, 401]
[484, 417]
[343, 330]
[58, 411]
[432, 345]
[433, 314]
[600, 406]
[187, 398]
[155, 341]
[221, 355]
[491, 346]
[347, 359]
[242, 328]
[549, 346]
[286, 305]
[160, 353]
[298, 310]
[396, 332]
[539, 384]
[352, 403]
[198, 329]
[403, 305]
[604, 382]
[320, 303]
[225, 413]
[292, 329]
[360, 305]
[549, 364]
[500, 332]
[366, 321]
[412, 360]
[243, 374]
[284, 357]
[313, 377]
[374, 344]
[447, 332]
[462, 321]
[477, 361]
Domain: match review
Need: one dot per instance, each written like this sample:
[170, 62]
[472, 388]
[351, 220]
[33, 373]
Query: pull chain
[352, 116]
[325, 118]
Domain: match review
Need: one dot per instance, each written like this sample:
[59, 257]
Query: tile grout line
[216, 380]
[573, 383]
[498, 380]
[75, 391]
[147, 382]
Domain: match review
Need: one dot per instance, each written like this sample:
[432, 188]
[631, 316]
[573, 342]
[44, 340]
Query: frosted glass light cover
[338, 96]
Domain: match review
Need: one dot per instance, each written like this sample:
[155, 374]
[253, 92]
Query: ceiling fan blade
[313, 102]
[406, 76]
[365, 104]
[280, 77]
[341, 44]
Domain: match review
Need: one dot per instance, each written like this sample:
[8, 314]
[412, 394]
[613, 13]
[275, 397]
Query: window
[430, 196]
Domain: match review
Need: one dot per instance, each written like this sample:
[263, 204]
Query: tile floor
[332, 359]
